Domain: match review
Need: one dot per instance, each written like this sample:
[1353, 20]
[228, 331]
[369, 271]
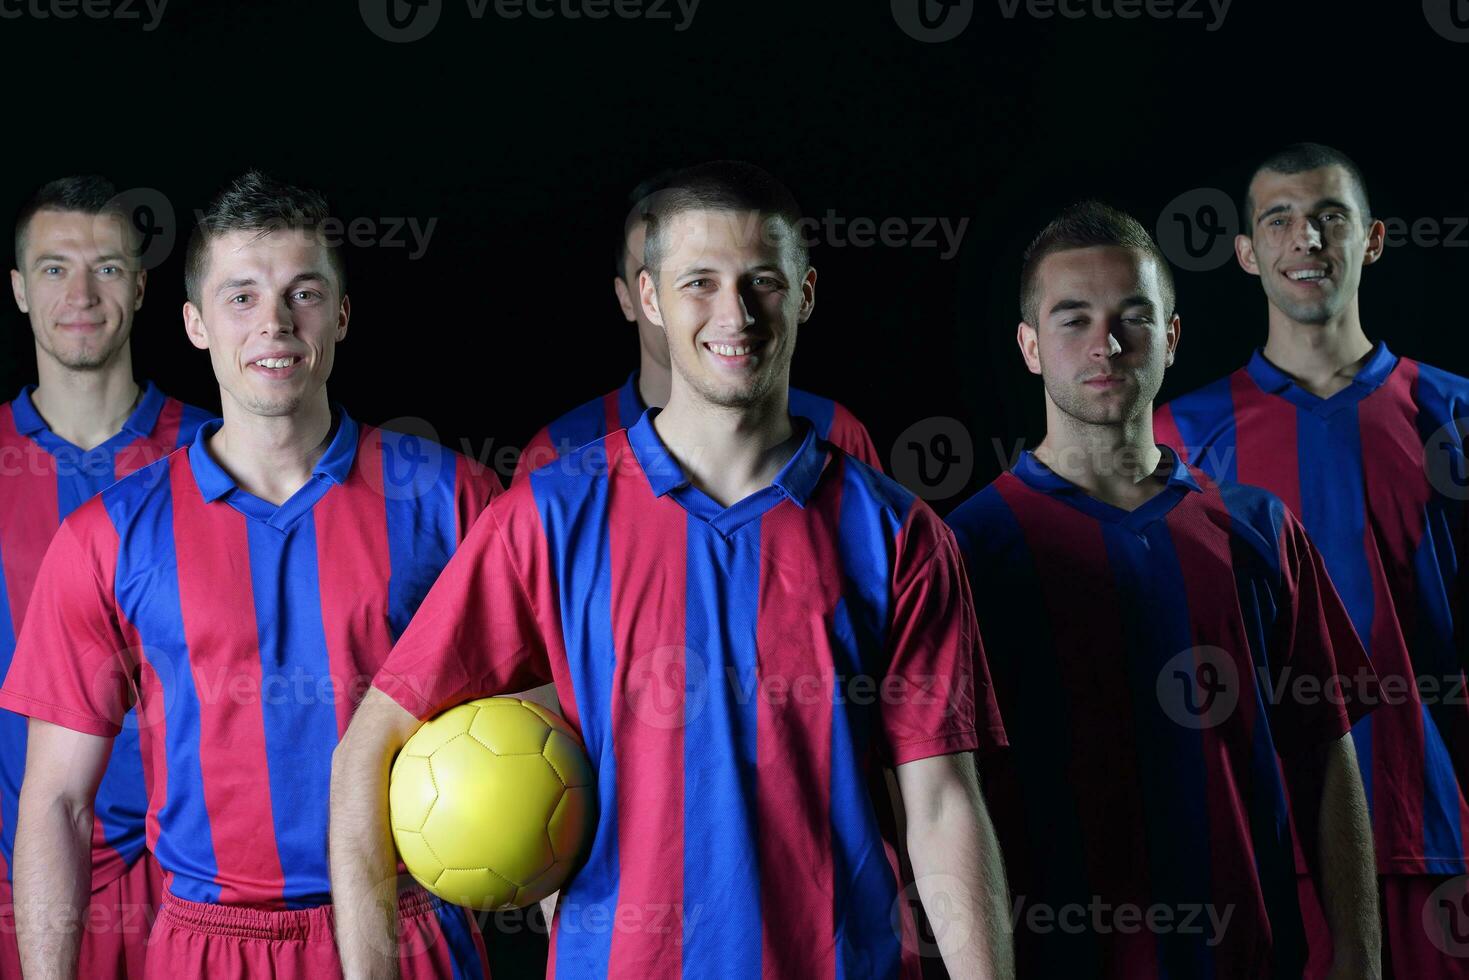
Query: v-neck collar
[138, 425]
[333, 468]
[630, 406]
[1273, 381]
[796, 480]
[1038, 476]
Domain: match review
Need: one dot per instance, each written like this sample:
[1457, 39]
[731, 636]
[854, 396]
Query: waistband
[255, 923]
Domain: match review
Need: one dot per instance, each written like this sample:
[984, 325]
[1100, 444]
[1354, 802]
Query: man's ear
[648, 293]
[1244, 251]
[1029, 342]
[625, 299]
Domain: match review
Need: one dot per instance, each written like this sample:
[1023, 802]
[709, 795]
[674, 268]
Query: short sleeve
[936, 695]
[476, 486]
[476, 633]
[1322, 674]
[72, 665]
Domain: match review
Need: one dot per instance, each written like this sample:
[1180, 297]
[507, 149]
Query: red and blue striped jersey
[247, 632]
[1150, 664]
[621, 409]
[43, 478]
[1376, 473]
[739, 676]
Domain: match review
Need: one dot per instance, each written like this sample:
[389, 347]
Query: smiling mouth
[1308, 275]
[276, 367]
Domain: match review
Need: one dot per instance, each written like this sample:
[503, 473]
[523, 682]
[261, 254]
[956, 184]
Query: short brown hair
[1088, 224]
[257, 202]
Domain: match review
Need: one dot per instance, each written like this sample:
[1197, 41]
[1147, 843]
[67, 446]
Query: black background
[522, 138]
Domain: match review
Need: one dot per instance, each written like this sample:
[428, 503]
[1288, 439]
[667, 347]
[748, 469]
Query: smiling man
[1368, 448]
[1148, 628]
[744, 624]
[241, 591]
[85, 425]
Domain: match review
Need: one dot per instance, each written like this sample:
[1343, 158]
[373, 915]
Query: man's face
[650, 335]
[1104, 336]
[271, 313]
[80, 284]
[1308, 241]
[728, 297]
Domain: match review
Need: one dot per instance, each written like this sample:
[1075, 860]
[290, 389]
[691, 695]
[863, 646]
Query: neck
[1322, 357]
[1118, 463]
[86, 408]
[728, 452]
[271, 457]
[655, 380]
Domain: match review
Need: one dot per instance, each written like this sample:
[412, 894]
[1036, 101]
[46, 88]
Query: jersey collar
[1273, 381]
[1038, 476]
[630, 405]
[140, 422]
[333, 468]
[797, 478]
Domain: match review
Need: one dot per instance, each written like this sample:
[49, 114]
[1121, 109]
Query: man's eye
[697, 283]
[109, 270]
[239, 299]
[52, 270]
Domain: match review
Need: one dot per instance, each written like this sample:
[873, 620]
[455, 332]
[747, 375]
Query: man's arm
[53, 846]
[1332, 819]
[957, 866]
[363, 859]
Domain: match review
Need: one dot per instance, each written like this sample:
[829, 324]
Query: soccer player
[1365, 446]
[242, 590]
[1156, 639]
[744, 623]
[87, 423]
[652, 382]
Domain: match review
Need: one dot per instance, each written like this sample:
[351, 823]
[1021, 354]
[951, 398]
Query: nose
[279, 322]
[730, 309]
[1306, 236]
[1105, 345]
[81, 292]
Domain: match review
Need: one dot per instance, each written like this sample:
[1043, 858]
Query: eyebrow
[229, 284]
[1067, 305]
[1325, 202]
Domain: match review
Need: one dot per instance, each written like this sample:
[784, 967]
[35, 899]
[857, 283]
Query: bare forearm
[1348, 868]
[961, 881]
[52, 885]
[363, 872]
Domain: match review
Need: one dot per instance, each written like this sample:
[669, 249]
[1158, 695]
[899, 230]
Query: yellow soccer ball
[492, 803]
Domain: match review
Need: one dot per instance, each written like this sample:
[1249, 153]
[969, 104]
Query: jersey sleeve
[1322, 678]
[477, 632]
[850, 435]
[72, 665]
[936, 696]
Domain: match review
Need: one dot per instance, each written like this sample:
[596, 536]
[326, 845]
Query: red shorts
[1425, 927]
[115, 931]
[436, 941]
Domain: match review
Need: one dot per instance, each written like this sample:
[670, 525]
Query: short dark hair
[257, 202]
[1300, 157]
[1088, 224]
[720, 185]
[636, 210]
[84, 193]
